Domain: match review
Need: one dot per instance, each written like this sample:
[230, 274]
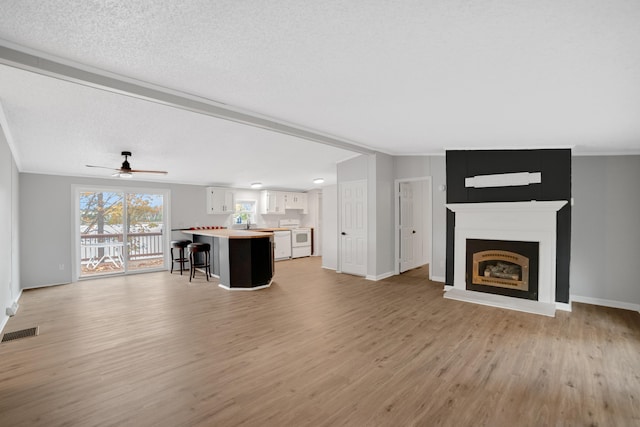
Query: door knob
[414, 231]
[343, 233]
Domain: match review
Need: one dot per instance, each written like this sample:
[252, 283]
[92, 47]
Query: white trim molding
[606, 303]
[380, 276]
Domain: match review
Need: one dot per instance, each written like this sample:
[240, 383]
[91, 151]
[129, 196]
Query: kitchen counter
[242, 259]
[230, 233]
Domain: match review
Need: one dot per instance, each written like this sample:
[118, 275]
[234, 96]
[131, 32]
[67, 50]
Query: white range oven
[300, 238]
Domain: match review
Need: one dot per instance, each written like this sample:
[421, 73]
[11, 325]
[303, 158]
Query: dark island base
[241, 264]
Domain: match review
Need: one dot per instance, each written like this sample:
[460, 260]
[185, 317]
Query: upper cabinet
[272, 202]
[219, 200]
[296, 201]
[275, 202]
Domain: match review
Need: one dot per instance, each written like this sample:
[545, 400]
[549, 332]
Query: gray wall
[330, 227]
[9, 226]
[353, 169]
[385, 221]
[605, 233]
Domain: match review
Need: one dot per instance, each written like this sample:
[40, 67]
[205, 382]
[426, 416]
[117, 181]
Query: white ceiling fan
[125, 170]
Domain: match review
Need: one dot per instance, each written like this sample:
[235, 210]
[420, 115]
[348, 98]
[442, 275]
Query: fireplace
[503, 267]
[521, 222]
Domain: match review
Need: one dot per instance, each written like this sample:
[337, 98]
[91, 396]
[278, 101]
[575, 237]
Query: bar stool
[204, 262]
[182, 257]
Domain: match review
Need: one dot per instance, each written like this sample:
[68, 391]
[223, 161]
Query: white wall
[9, 226]
[605, 231]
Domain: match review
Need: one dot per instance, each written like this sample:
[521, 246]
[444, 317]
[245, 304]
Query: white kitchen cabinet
[219, 200]
[296, 201]
[272, 202]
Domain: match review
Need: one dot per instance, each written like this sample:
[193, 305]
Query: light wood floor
[317, 348]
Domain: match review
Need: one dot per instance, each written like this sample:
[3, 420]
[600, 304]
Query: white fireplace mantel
[532, 221]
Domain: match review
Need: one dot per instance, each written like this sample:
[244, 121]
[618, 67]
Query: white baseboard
[447, 288]
[256, 288]
[493, 300]
[563, 306]
[4, 318]
[437, 279]
[380, 276]
[54, 284]
[606, 303]
[3, 321]
[328, 268]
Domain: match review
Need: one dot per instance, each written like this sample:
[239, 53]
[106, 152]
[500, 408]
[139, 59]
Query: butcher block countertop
[229, 233]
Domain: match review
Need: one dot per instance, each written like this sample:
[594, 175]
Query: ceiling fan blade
[125, 170]
[102, 167]
[148, 171]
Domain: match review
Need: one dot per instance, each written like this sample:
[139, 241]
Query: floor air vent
[24, 333]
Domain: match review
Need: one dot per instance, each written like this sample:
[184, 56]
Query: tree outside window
[245, 212]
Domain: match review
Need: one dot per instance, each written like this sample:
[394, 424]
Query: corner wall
[9, 226]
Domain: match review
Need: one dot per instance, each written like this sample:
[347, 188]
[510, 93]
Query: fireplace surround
[533, 221]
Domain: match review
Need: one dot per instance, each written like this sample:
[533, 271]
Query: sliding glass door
[145, 239]
[120, 231]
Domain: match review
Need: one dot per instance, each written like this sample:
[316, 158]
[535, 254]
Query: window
[245, 212]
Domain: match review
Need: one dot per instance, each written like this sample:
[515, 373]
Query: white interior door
[407, 228]
[353, 223]
[412, 226]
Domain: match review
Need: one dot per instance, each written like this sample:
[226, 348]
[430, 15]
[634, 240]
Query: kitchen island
[242, 259]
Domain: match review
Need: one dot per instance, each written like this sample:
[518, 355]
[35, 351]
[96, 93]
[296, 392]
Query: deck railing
[140, 246]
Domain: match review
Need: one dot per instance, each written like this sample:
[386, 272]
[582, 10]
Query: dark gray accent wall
[555, 166]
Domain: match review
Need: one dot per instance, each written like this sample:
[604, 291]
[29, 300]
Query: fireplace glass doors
[503, 267]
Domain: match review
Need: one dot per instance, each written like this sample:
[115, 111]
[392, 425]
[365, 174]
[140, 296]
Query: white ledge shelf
[530, 206]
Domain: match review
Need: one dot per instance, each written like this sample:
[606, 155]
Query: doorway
[413, 223]
[120, 231]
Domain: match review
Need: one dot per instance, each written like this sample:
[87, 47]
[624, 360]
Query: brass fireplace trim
[499, 255]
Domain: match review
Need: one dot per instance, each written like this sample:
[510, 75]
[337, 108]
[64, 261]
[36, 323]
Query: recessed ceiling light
[256, 185]
[318, 180]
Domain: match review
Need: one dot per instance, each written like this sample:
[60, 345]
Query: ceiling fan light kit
[125, 170]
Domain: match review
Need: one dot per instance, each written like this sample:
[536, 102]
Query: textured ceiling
[402, 77]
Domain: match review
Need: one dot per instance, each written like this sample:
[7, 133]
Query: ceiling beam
[38, 62]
